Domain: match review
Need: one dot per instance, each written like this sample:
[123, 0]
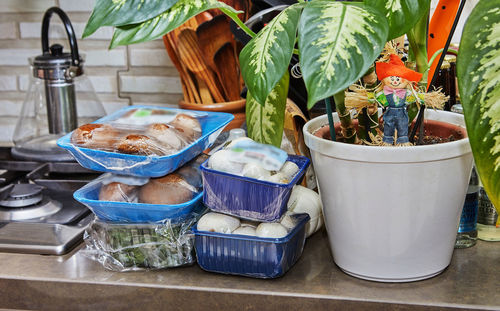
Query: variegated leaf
[478, 68]
[124, 12]
[401, 15]
[165, 22]
[265, 121]
[338, 42]
[265, 59]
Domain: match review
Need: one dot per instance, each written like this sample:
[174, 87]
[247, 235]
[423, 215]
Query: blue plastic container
[248, 198]
[212, 124]
[250, 256]
[134, 212]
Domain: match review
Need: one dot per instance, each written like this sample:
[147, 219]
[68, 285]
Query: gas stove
[37, 211]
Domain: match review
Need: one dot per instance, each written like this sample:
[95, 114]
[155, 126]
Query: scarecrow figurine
[397, 90]
[397, 93]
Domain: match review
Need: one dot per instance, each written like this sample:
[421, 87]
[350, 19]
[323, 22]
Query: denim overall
[395, 118]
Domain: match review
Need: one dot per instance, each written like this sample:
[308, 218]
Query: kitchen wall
[138, 74]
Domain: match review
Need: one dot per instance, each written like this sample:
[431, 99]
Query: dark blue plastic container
[212, 124]
[134, 212]
[250, 256]
[248, 198]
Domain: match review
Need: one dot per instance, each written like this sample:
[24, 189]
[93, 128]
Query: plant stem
[348, 130]
[436, 54]
[330, 118]
[417, 37]
[238, 22]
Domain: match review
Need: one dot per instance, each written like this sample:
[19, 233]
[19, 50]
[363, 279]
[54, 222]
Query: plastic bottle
[467, 229]
[224, 138]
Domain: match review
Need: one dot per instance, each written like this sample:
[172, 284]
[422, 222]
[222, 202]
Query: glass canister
[453, 85]
[59, 99]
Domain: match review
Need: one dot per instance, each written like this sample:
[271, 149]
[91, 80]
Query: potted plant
[376, 230]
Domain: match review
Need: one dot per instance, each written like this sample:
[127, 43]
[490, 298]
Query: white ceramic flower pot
[391, 213]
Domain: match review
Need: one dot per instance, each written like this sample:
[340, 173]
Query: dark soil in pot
[435, 132]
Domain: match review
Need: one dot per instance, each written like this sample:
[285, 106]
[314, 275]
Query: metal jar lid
[54, 63]
[445, 65]
[450, 58]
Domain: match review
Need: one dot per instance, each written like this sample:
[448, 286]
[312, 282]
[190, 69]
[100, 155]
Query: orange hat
[396, 67]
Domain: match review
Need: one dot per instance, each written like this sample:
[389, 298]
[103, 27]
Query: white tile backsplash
[8, 83]
[17, 57]
[149, 57]
[76, 5]
[25, 6]
[150, 84]
[30, 30]
[8, 30]
[103, 58]
[104, 84]
[10, 108]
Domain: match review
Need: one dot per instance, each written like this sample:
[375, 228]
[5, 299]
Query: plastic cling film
[250, 256]
[149, 150]
[174, 195]
[129, 180]
[132, 247]
[159, 138]
[267, 156]
[146, 116]
[246, 197]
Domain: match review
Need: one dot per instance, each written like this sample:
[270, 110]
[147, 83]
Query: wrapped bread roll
[118, 192]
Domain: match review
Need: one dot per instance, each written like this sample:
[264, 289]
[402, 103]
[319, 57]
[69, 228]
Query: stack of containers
[134, 229]
[252, 200]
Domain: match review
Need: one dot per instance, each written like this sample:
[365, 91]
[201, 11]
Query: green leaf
[265, 122]
[401, 15]
[478, 69]
[265, 59]
[124, 12]
[338, 42]
[165, 22]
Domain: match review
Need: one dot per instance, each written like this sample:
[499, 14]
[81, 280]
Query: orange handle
[439, 28]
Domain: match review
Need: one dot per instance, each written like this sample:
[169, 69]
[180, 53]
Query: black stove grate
[50, 234]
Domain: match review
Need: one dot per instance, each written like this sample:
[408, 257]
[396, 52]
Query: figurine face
[395, 82]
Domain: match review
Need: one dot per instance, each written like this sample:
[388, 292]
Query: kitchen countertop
[471, 282]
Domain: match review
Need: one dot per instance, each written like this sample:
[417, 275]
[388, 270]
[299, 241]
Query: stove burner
[52, 222]
[45, 208]
[22, 195]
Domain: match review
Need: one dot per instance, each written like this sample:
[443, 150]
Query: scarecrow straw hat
[396, 67]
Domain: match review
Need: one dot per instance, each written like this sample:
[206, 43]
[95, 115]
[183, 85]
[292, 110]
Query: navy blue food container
[249, 198]
[134, 212]
[248, 255]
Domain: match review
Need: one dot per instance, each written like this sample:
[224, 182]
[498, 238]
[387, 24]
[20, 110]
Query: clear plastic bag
[133, 247]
